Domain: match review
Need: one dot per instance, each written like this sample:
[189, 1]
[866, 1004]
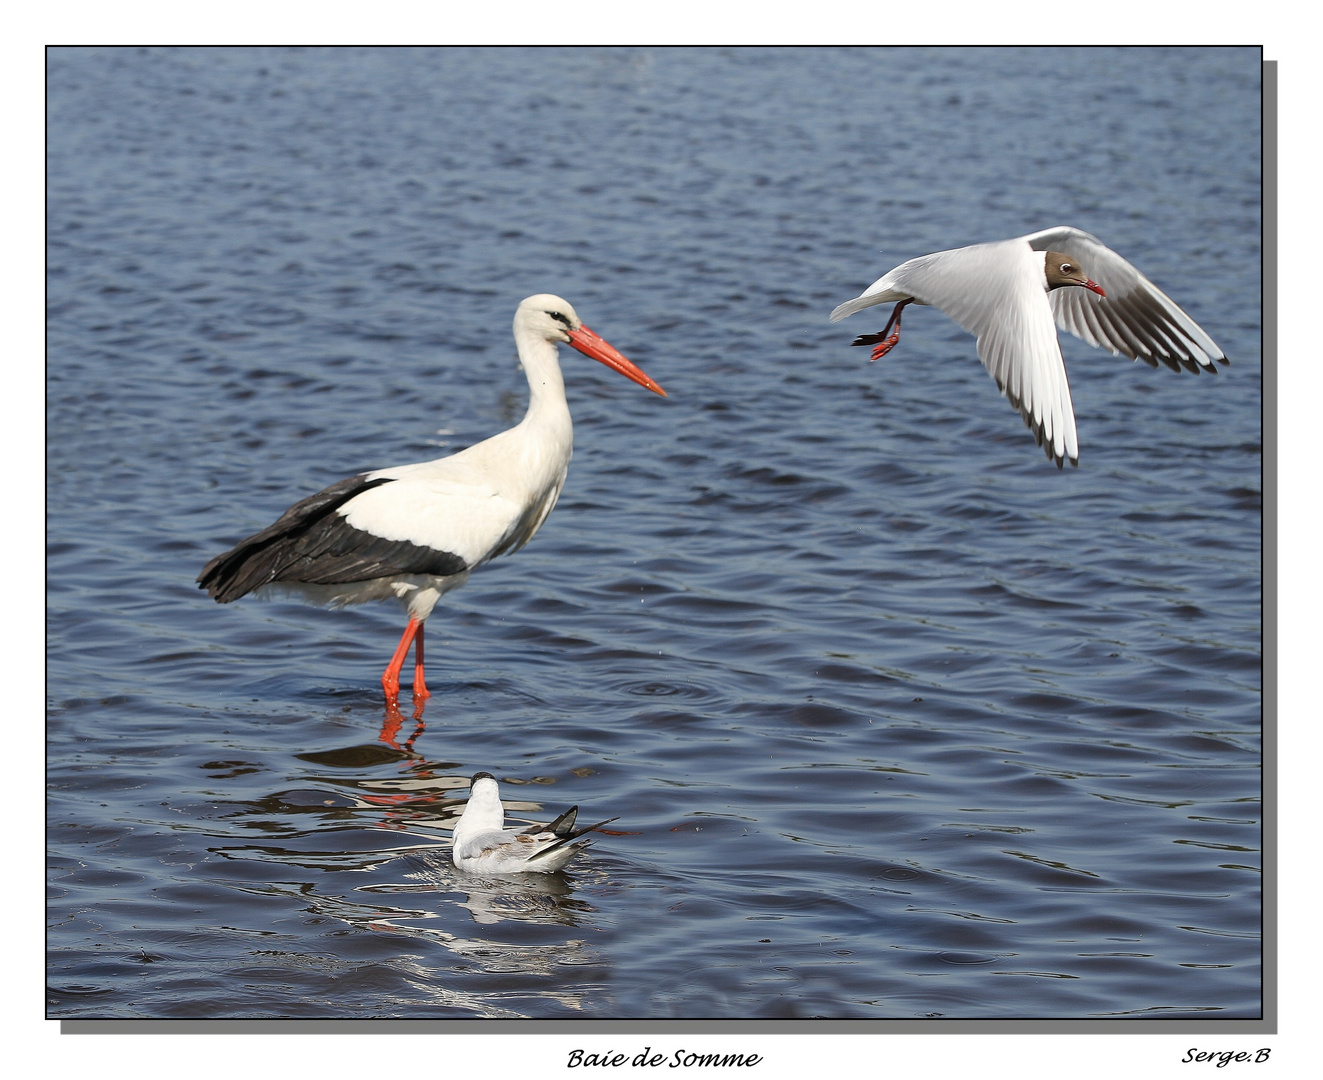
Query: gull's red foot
[884, 344]
[884, 347]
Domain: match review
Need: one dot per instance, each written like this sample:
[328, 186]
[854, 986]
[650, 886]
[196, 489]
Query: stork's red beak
[590, 344]
[1093, 286]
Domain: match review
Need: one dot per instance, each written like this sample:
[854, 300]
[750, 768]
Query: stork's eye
[560, 318]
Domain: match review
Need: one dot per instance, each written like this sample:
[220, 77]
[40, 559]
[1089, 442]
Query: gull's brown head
[1062, 270]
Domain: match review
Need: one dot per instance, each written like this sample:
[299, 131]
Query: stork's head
[551, 318]
[547, 316]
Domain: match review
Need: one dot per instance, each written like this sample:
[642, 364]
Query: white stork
[414, 532]
[1008, 292]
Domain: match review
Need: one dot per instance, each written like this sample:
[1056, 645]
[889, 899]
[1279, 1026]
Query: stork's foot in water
[390, 678]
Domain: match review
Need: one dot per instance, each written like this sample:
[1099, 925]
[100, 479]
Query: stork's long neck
[546, 385]
[546, 434]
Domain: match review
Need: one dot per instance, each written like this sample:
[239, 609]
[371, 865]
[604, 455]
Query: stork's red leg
[419, 687]
[390, 679]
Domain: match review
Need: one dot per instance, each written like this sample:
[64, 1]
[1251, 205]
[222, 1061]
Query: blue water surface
[898, 720]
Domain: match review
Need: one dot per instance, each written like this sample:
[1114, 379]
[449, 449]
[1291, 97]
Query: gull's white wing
[1135, 319]
[996, 292]
[486, 842]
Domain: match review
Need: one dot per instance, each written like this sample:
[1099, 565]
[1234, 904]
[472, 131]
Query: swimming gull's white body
[483, 845]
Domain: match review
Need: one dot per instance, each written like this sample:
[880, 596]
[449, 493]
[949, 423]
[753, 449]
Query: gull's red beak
[590, 344]
[1093, 286]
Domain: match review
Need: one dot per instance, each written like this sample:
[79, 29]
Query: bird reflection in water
[393, 722]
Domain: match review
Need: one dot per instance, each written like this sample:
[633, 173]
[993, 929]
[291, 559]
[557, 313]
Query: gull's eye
[1066, 268]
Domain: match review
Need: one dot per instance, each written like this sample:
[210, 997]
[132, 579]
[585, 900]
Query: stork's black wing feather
[311, 543]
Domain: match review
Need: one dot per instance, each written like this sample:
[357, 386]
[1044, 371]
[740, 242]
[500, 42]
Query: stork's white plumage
[414, 532]
[483, 845]
[1008, 294]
